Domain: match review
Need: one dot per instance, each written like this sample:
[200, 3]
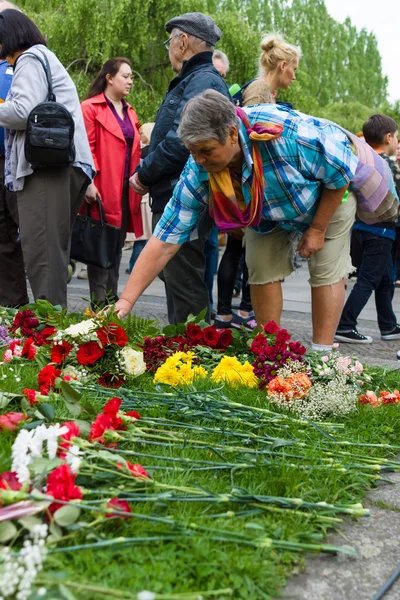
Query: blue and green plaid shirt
[310, 154]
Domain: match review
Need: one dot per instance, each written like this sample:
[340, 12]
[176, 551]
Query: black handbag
[95, 242]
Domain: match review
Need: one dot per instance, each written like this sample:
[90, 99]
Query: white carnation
[82, 328]
[132, 361]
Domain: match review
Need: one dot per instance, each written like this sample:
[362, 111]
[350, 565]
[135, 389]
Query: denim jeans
[374, 274]
[138, 246]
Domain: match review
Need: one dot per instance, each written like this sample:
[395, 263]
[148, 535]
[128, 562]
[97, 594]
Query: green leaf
[73, 408]
[88, 408]
[111, 456]
[55, 531]
[47, 410]
[29, 522]
[84, 427]
[33, 424]
[69, 393]
[66, 593]
[41, 465]
[7, 531]
[200, 316]
[7, 397]
[169, 330]
[66, 515]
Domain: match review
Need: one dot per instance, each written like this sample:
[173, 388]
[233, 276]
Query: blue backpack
[236, 92]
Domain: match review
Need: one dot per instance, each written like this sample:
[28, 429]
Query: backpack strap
[51, 97]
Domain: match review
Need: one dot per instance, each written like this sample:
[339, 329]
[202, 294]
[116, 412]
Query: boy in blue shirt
[376, 272]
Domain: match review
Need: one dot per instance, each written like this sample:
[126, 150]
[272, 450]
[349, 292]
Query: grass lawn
[211, 518]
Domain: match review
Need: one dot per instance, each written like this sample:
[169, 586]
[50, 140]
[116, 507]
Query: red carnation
[282, 336]
[225, 338]
[11, 420]
[134, 414]
[120, 505]
[194, 332]
[210, 336]
[29, 349]
[112, 407]
[61, 486]
[135, 470]
[109, 380]
[112, 334]
[271, 327]
[89, 353]
[30, 395]
[9, 481]
[15, 344]
[297, 348]
[59, 352]
[99, 427]
[42, 337]
[258, 344]
[73, 431]
[47, 378]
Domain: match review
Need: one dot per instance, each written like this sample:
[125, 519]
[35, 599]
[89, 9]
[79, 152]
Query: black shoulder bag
[49, 135]
[95, 242]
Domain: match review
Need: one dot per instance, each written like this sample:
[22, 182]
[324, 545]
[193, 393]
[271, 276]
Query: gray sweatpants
[47, 209]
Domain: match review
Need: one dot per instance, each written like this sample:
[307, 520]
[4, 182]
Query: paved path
[296, 315]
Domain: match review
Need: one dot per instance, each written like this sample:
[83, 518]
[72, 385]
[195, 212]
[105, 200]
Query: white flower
[146, 595]
[132, 361]
[81, 328]
[73, 458]
[72, 372]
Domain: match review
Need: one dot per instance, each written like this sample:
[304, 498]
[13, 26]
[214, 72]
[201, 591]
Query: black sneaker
[353, 337]
[393, 335]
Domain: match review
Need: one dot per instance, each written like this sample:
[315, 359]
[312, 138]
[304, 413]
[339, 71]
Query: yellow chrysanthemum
[178, 370]
[230, 370]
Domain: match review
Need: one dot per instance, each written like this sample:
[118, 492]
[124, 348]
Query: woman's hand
[92, 194]
[123, 308]
[312, 242]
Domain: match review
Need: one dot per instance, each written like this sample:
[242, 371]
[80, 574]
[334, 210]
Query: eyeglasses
[167, 43]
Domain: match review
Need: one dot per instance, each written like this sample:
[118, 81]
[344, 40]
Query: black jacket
[167, 156]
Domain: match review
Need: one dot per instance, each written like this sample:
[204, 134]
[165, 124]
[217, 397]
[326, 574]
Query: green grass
[298, 468]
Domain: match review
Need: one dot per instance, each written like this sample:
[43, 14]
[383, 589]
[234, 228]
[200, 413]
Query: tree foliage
[339, 65]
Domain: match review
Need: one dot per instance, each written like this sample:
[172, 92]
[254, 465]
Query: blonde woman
[278, 63]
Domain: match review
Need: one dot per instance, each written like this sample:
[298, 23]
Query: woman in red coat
[112, 129]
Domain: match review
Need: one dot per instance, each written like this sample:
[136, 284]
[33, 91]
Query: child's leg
[375, 253]
[383, 299]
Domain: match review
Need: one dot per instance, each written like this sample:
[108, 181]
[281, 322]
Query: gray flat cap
[195, 23]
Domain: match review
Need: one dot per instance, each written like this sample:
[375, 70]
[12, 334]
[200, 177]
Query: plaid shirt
[310, 154]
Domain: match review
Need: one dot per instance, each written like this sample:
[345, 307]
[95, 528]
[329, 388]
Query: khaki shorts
[270, 257]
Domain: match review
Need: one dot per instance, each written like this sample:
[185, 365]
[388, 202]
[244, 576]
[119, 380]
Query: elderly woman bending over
[282, 176]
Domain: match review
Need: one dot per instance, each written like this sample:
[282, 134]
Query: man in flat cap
[190, 49]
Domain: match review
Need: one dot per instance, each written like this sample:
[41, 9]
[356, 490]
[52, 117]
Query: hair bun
[271, 40]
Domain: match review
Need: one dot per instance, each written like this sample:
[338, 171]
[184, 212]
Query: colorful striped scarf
[225, 207]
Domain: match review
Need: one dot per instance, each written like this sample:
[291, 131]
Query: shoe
[127, 271]
[353, 337]
[398, 355]
[83, 274]
[70, 272]
[397, 284]
[221, 324]
[249, 323]
[393, 335]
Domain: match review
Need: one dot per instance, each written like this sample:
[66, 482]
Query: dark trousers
[227, 271]
[211, 250]
[183, 276]
[374, 274]
[13, 290]
[103, 283]
[47, 209]
[138, 246]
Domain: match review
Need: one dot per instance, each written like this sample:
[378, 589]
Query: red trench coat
[108, 147]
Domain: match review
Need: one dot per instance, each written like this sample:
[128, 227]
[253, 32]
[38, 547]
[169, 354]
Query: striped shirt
[309, 155]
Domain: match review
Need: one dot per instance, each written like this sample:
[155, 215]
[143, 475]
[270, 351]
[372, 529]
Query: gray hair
[222, 57]
[196, 44]
[208, 116]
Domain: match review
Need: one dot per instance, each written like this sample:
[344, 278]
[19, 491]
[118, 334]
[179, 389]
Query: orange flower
[301, 383]
[369, 398]
[278, 385]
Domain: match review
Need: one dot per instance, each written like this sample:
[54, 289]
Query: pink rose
[325, 358]
[358, 367]
[17, 351]
[343, 364]
[335, 346]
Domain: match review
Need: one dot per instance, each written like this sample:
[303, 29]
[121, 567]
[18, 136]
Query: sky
[384, 21]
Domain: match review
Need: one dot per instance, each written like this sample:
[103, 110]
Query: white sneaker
[83, 274]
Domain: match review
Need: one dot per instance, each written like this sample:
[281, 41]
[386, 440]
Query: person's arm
[170, 156]
[89, 118]
[314, 238]
[153, 258]
[29, 88]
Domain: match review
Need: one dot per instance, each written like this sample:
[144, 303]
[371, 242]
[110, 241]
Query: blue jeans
[374, 274]
[136, 250]
[211, 254]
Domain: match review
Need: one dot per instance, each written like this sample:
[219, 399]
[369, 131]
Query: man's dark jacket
[167, 155]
